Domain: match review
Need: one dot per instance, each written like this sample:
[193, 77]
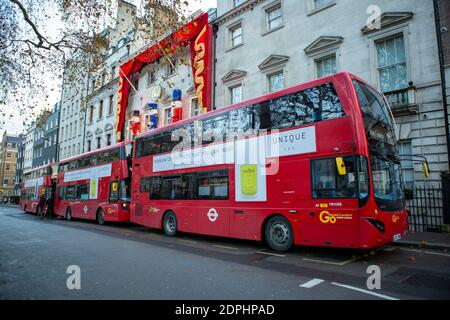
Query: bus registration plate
[397, 237]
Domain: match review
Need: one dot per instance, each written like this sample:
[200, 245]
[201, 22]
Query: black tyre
[170, 225]
[101, 216]
[279, 234]
[25, 209]
[68, 214]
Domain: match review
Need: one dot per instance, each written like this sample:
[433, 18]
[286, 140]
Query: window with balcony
[392, 69]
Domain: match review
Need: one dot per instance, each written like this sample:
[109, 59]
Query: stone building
[103, 84]
[8, 158]
[266, 45]
[19, 164]
[45, 146]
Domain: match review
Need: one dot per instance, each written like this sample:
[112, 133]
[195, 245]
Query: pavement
[125, 261]
[430, 240]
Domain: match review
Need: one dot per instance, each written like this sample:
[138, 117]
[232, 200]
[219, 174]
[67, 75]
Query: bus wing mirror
[340, 164]
[426, 169]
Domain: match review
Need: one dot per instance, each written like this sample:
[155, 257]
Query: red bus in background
[336, 179]
[96, 185]
[36, 183]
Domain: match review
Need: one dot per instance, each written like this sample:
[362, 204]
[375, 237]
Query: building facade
[19, 165]
[8, 158]
[443, 29]
[28, 146]
[72, 117]
[102, 99]
[266, 45]
[45, 146]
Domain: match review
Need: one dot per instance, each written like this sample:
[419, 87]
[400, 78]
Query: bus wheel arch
[170, 223]
[68, 214]
[100, 216]
[278, 233]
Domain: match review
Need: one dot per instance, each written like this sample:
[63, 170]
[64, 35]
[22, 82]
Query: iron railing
[426, 209]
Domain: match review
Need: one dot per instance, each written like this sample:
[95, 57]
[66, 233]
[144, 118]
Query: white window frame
[384, 34]
[230, 29]
[266, 22]
[272, 73]
[230, 90]
[323, 57]
[312, 8]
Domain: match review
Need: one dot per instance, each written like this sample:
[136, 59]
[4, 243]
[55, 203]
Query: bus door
[214, 213]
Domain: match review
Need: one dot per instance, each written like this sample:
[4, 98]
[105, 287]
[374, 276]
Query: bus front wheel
[68, 214]
[278, 233]
[101, 216]
[170, 226]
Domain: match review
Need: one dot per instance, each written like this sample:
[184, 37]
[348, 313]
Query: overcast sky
[14, 126]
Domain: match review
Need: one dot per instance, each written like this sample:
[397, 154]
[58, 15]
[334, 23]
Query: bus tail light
[377, 224]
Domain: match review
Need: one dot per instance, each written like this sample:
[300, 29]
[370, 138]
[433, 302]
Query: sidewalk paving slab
[428, 240]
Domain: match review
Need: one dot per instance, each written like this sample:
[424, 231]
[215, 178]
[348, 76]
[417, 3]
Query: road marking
[427, 252]
[188, 241]
[271, 254]
[343, 263]
[224, 247]
[438, 254]
[382, 296]
[412, 250]
[389, 249]
[311, 283]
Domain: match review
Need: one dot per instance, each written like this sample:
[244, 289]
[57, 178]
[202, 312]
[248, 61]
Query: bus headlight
[124, 206]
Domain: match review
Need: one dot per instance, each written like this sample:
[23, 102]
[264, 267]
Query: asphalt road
[131, 262]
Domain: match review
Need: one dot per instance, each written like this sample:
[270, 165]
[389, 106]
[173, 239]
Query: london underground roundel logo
[213, 214]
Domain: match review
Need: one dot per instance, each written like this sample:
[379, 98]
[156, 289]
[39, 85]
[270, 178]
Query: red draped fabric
[197, 34]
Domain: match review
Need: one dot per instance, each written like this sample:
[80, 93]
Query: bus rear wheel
[101, 216]
[278, 233]
[68, 214]
[170, 225]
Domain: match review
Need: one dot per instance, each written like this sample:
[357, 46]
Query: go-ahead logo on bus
[85, 209]
[326, 217]
[213, 214]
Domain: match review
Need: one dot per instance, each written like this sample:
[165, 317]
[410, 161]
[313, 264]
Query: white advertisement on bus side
[93, 174]
[34, 183]
[279, 144]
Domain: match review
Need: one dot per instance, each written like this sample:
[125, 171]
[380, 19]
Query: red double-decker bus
[96, 185]
[37, 183]
[330, 173]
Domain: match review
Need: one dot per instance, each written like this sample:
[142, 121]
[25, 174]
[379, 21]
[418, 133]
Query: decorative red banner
[197, 34]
